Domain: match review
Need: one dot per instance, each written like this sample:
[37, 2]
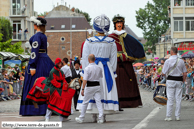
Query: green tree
[7, 46]
[42, 14]
[153, 20]
[6, 29]
[87, 16]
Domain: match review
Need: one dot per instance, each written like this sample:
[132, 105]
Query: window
[189, 2]
[73, 26]
[178, 24]
[52, 27]
[62, 26]
[63, 47]
[189, 24]
[16, 29]
[178, 2]
[16, 7]
[62, 39]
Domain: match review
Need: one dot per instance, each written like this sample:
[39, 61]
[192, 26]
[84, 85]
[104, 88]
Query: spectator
[25, 33]
[20, 34]
[176, 4]
[24, 8]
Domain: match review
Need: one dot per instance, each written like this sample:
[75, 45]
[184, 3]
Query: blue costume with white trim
[105, 51]
[39, 61]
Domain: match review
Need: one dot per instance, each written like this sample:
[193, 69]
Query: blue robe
[43, 65]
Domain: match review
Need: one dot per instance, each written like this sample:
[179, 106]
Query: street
[150, 116]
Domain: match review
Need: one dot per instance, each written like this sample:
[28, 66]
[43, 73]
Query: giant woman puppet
[39, 65]
[129, 49]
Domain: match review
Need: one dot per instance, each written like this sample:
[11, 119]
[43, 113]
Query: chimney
[69, 7]
[57, 3]
[66, 4]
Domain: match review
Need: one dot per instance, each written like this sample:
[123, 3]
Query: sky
[95, 8]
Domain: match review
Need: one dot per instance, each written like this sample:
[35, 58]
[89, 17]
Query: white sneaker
[177, 119]
[100, 121]
[46, 120]
[79, 120]
[168, 119]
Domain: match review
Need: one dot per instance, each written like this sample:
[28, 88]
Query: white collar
[119, 32]
[173, 56]
[92, 64]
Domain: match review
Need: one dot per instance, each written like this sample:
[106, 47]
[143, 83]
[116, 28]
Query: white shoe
[168, 119]
[177, 119]
[79, 120]
[46, 120]
[100, 121]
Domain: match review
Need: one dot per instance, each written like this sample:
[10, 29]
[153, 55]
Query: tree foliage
[87, 16]
[42, 14]
[153, 20]
[7, 46]
[6, 29]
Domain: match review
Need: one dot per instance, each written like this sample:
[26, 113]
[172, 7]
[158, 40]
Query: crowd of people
[11, 83]
[151, 76]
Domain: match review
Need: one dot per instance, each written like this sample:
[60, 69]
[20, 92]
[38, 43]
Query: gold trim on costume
[99, 34]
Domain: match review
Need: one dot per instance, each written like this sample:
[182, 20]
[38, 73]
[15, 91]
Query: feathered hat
[118, 18]
[38, 21]
[101, 24]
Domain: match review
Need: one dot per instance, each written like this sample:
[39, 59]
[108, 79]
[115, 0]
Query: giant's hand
[32, 72]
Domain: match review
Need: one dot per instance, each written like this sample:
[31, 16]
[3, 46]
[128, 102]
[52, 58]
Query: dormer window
[52, 27]
[73, 26]
[62, 26]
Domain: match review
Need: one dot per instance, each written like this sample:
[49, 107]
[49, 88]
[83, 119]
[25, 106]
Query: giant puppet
[105, 51]
[39, 65]
[129, 49]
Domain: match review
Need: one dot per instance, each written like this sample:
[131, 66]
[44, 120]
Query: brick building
[61, 24]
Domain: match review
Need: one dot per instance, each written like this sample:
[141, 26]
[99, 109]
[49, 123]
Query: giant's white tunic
[102, 49]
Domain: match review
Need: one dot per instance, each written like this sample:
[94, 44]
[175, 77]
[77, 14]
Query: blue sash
[107, 73]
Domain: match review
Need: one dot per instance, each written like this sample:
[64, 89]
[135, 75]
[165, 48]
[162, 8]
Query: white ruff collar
[119, 32]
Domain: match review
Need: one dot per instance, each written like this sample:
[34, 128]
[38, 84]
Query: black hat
[38, 21]
[118, 19]
[77, 62]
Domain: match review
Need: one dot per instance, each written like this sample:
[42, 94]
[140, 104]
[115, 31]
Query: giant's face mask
[119, 26]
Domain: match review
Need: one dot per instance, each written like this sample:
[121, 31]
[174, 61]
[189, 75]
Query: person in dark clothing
[76, 74]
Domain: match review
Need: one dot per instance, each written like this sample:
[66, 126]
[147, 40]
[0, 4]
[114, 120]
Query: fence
[11, 91]
[151, 86]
